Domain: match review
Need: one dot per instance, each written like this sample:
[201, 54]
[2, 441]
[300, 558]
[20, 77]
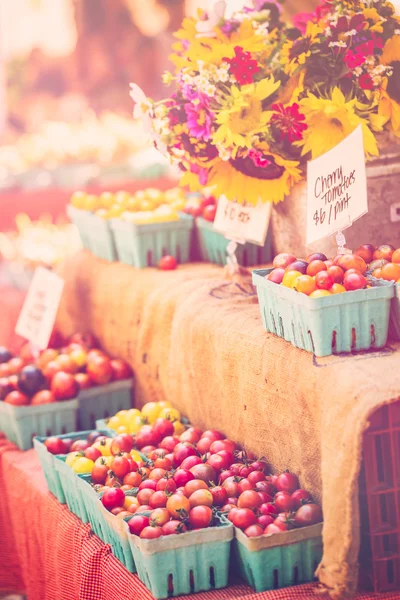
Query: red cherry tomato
[112, 498]
[284, 502]
[309, 514]
[299, 497]
[243, 518]
[138, 523]
[200, 517]
[167, 263]
[173, 527]
[249, 499]
[254, 531]
[324, 281]
[287, 482]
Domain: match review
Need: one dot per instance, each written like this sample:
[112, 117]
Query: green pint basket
[394, 326]
[213, 247]
[69, 483]
[144, 245]
[22, 423]
[101, 239]
[81, 220]
[104, 524]
[186, 563]
[346, 322]
[102, 402]
[278, 560]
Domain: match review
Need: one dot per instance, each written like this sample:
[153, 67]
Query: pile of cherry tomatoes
[317, 276]
[181, 482]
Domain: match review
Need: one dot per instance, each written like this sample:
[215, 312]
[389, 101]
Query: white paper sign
[243, 222]
[38, 314]
[336, 188]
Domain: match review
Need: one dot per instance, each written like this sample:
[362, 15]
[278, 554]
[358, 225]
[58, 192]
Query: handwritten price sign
[336, 188]
[38, 314]
[243, 223]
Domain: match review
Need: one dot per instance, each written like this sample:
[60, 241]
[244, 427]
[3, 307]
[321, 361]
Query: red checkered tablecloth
[47, 551]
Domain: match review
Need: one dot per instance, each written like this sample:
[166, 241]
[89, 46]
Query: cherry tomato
[249, 499]
[320, 294]
[284, 502]
[120, 466]
[166, 485]
[391, 272]
[145, 495]
[366, 252]
[275, 528]
[167, 263]
[266, 486]
[148, 484]
[308, 514]
[245, 485]
[323, 281]
[315, 267]
[290, 278]
[268, 508]
[255, 477]
[337, 288]
[283, 260]
[243, 518]
[151, 533]
[205, 472]
[287, 482]
[159, 517]
[133, 479]
[200, 517]
[354, 281]
[299, 496]
[265, 520]
[219, 495]
[201, 498]
[336, 273]
[178, 506]
[112, 498]
[137, 523]
[305, 284]
[99, 473]
[174, 527]
[158, 500]
[157, 474]
[194, 486]
[385, 251]
[396, 256]
[254, 531]
[276, 275]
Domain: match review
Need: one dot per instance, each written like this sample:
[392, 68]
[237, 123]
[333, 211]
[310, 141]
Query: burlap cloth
[196, 339]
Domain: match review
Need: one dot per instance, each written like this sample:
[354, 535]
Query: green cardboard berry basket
[103, 401]
[213, 247]
[105, 525]
[278, 560]
[48, 462]
[81, 219]
[144, 245]
[69, 482]
[186, 563]
[22, 423]
[347, 322]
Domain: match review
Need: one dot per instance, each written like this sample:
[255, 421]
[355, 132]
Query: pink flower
[288, 121]
[258, 158]
[199, 120]
[201, 172]
[353, 59]
[366, 82]
[301, 20]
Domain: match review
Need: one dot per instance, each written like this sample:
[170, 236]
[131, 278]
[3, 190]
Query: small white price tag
[243, 222]
[38, 314]
[336, 188]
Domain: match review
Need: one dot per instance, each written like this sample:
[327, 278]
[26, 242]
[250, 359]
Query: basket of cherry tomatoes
[324, 306]
[211, 245]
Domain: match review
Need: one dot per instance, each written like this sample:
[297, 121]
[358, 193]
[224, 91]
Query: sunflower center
[247, 167]
[247, 119]
[299, 47]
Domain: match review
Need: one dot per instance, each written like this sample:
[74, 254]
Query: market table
[47, 551]
[195, 337]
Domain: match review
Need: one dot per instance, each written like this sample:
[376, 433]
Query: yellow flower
[215, 49]
[331, 120]
[295, 53]
[245, 117]
[374, 19]
[239, 179]
[293, 89]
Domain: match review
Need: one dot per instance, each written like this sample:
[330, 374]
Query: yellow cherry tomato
[304, 284]
[122, 429]
[337, 288]
[104, 446]
[135, 424]
[123, 416]
[320, 294]
[104, 460]
[122, 198]
[91, 202]
[78, 199]
[172, 414]
[72, 457]
[115, 211]
[114, 423]
[136, 456]
[164, 404]
[290, 277]
[151, 411]
[178, 427]
[83, 465]
[107, 199]
[129, 501]
[133, 412]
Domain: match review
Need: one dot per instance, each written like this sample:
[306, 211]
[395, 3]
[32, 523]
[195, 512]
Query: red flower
[289, 122]
[353, 59]
[242, 66]
[366, 82]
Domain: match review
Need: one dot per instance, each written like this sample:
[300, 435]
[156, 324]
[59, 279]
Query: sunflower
[296, 52]
[391, 57]
[214, 49]
[331, 120]
[240, 179]
[245, 118]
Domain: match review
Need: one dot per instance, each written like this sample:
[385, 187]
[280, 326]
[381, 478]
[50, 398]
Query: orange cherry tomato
[385, 251]
[178, 505]
[351, 261]
[324, 281]
[304, 284]
[315, 267]
[396, 256]
[337, 288]
[337, 273]
[377, 273]
[391, 272]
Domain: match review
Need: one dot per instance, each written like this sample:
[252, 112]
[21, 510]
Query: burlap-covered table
[195, 338]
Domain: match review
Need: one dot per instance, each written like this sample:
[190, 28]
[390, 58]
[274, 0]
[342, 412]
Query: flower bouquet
[255, 99]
